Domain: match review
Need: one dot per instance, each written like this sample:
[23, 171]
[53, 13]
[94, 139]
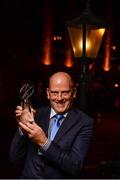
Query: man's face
[61, 94]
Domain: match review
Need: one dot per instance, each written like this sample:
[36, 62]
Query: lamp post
[86, 33]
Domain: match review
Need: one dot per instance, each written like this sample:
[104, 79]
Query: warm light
[68, 61]
[101, 31]
[95, 37]
[86, 33]
[57, 38]
[116, 85]
[113, 47]
[47, 52]
[88, 46]
[90, 66]
[47, 36]
[47, 60]
[74, 50]
[92, 42]
[106, 65]
[54, 38]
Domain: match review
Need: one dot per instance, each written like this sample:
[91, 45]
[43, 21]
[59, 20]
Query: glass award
[25, 93]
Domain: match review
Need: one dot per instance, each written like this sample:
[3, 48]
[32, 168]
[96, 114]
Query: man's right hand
[18, 112]
[24, 115]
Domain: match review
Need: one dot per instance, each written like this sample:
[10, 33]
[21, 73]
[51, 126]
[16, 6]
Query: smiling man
[55, 139]
[61, 92]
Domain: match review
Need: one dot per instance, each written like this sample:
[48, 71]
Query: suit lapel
[70, 120]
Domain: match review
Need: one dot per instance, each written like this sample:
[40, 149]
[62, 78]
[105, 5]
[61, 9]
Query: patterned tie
[58, 118]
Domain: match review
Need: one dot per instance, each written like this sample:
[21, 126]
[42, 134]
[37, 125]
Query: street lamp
[86, 33]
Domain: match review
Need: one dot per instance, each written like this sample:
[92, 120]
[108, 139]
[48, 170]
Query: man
[49, 155]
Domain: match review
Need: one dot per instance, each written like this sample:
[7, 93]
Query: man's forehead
[60, 75]
[58, 83]
[60, 78]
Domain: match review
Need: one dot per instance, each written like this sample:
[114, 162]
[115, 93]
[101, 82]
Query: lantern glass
[93, 39]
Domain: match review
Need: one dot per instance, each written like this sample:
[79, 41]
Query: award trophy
[25, 93]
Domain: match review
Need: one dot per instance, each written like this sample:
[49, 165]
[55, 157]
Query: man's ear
[74, 92]
[48, 95]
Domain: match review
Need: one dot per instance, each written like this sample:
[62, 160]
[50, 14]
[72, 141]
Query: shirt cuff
[46, 145]
[20, 131]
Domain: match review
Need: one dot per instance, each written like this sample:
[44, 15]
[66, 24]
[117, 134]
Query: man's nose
[59, 96]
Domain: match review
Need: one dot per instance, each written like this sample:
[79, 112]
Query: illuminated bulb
[113, 47]
[116, 85]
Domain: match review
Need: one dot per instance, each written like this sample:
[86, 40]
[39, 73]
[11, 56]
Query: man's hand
[27, 124]
[24, 115]
[34, 132]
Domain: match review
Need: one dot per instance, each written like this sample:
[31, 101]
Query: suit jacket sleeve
[18, 147]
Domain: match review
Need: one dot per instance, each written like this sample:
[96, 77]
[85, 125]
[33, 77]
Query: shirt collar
[52, 113]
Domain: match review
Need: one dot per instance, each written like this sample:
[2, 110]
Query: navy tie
[58, 118]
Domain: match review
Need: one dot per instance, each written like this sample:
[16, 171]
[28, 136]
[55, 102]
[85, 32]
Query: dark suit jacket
[65, 156]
